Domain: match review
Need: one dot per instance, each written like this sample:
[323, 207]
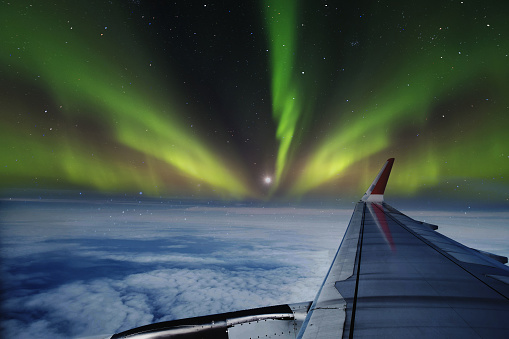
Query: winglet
[375, 192]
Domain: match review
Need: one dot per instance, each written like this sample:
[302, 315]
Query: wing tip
[376, 190]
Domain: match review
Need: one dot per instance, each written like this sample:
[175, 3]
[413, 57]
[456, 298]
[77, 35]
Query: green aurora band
[79, 76]
[287, 105]
[395, 107]
[435, 99]
[441, 108]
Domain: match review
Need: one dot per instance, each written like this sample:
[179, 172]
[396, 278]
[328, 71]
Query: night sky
[210, 99]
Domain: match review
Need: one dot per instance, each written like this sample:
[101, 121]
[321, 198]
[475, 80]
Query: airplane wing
[392, 276]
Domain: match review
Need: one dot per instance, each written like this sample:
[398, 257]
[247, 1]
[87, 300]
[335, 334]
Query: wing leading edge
[392, 276]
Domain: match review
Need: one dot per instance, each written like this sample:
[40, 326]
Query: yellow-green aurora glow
[287, 106]
[92, 98]
[83, 72]
[473, 145]
[440, 106]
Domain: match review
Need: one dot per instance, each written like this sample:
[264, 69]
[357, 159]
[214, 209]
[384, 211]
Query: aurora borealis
[207, 99]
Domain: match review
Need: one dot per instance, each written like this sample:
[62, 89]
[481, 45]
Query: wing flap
[500, 258]
[445, 244]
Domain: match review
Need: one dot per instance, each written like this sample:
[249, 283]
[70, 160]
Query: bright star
[267, 180]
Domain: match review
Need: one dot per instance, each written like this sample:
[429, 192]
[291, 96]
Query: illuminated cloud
[72, 269]
[88, 270]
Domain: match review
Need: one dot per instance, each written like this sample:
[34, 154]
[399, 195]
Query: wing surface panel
[404, 285]
[326, 316]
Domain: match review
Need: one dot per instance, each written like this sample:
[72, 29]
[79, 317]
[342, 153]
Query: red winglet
[376, 190]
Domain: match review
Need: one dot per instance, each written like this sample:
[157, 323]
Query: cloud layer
[88, 270]
[74, 270]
